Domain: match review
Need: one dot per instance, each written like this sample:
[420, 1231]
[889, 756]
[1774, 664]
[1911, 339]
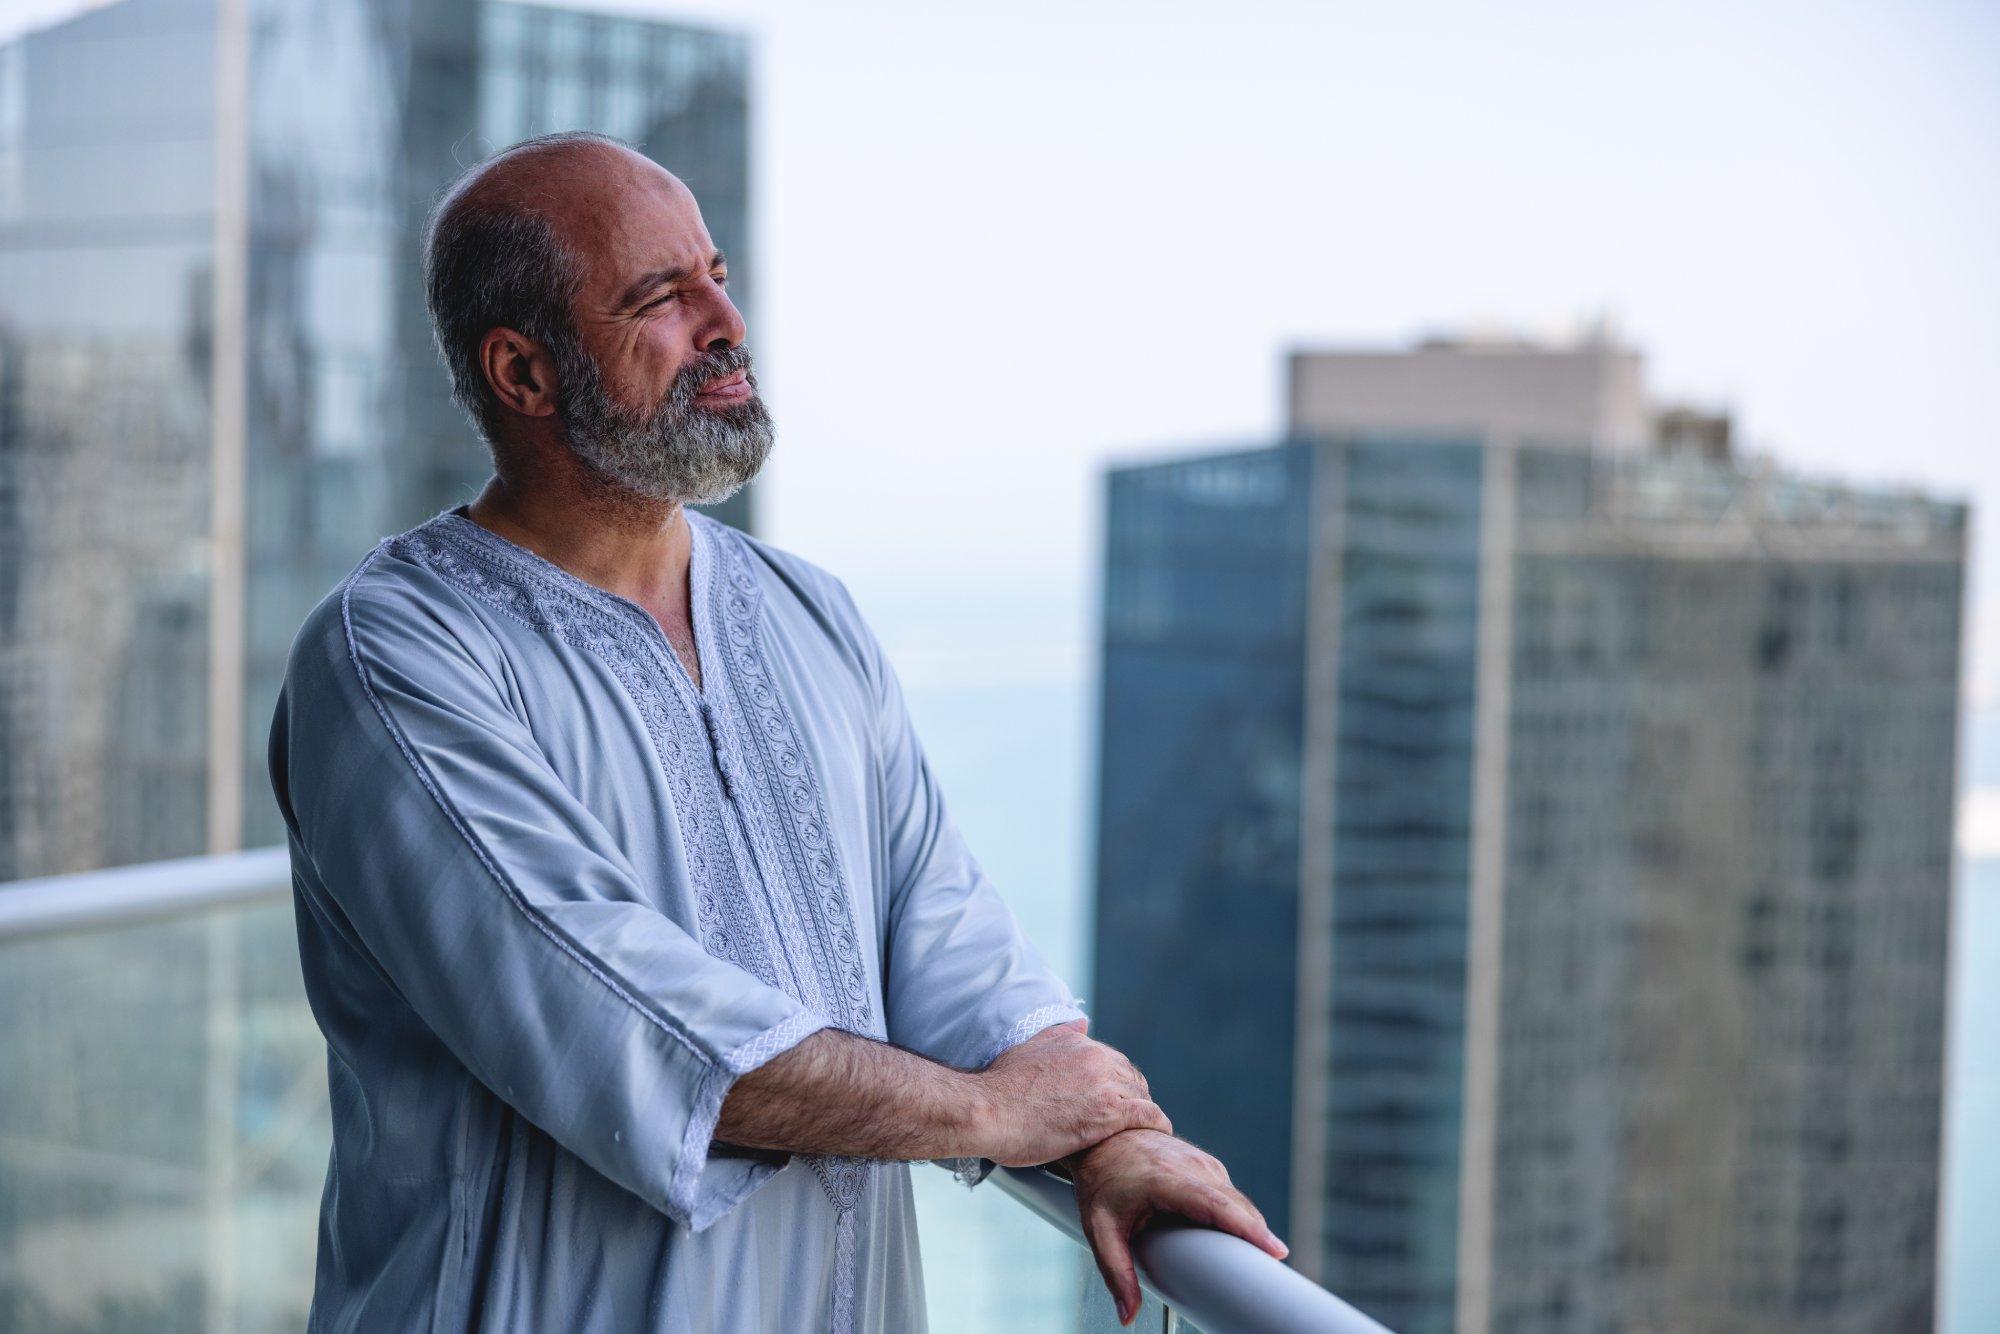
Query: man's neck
[636, 548]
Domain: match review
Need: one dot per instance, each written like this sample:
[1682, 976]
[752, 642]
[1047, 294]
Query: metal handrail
[126, 895]
[1221, 1283]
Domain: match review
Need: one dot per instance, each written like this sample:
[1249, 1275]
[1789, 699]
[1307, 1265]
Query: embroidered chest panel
[769, 887]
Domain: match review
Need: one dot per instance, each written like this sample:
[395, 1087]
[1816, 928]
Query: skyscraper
[1527, 865]
[217, 384]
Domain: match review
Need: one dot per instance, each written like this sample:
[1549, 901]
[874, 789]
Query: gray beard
[679, 452]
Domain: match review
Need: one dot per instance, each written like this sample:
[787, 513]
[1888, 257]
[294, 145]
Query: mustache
[710, 365]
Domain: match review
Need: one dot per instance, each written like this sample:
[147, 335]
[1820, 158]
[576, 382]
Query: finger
[1259, 1228]
[1111, 1245]
[1230, 1211]
[1258, 1233]
[1145, 1114]
[1267, 1239]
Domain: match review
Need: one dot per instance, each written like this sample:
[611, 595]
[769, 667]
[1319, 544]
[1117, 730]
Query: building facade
[217, 382]
[217, 391]
[1528, 868]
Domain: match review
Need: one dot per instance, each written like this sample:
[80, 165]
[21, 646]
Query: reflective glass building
[217, 383]
[217, 391]
[1528, 869]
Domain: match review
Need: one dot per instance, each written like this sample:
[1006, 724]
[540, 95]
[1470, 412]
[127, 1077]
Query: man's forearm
[838, 1093]
[842, 1094]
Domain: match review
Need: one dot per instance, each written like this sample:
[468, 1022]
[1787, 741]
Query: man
[646, 952]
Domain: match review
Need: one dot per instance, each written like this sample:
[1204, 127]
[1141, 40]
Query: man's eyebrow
[673, 273]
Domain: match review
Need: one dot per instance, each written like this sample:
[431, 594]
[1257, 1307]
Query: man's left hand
[1122, 1182]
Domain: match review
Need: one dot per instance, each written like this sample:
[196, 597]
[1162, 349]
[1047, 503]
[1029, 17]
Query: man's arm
[838, 1093]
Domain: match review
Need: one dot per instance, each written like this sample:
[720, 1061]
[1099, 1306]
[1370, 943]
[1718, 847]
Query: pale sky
[1001, 244]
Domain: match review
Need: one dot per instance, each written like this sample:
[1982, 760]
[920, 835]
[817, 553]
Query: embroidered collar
[456, 524]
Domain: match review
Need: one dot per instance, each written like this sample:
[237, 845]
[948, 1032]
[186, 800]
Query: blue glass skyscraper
[1527, 868]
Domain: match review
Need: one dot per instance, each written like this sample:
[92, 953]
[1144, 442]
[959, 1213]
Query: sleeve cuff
[972, 1171]
[969, 1171]
[697, 1197]
[1029, 1024]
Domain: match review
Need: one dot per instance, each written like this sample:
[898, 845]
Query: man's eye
[658, 301]
[721, 280]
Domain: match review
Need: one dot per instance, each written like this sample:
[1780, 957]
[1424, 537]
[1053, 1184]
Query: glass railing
[164, 1138]
[163, 1117]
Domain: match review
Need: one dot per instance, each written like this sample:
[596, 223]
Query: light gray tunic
[553, 900]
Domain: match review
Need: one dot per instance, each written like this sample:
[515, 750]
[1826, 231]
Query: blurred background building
[217, 391]
[1544, 821]
[217, 382]
[1488, 384]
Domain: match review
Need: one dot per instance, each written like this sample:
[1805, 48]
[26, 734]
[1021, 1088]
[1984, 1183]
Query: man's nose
[724, 327]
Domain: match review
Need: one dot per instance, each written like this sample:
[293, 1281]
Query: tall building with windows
[217, 390]
[217, 383]
[1528, 865]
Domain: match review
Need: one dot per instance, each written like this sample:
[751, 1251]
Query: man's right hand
[1057, 1093]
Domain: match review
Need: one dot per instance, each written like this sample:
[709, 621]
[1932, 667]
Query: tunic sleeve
[962, 982]
[499, 908]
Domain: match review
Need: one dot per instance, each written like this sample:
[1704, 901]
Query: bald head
[580, 184]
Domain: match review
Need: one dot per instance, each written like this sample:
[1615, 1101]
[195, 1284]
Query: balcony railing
[163, 1131]
[1220, 1283]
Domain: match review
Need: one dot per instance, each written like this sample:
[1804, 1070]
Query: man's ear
[520, 372]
